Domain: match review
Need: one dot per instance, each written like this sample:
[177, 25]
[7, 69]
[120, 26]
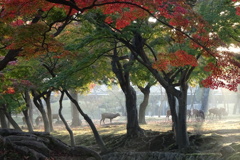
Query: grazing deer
[169, 114]
[109, 116]
[218, 112]
[199, 115]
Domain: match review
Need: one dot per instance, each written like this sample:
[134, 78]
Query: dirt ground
[208, 136]
[212, 137]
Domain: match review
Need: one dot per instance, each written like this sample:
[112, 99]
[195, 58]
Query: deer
[168, 114]
[199, 115]
[217, 112]
[109, 116]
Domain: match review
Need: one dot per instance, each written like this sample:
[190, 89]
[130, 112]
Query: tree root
[39, 146]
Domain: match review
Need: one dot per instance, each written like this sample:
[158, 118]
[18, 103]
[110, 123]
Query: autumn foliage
[237, 7]
[181, 22]
[179, 58]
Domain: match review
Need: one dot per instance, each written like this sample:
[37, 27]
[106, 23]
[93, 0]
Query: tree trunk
[30, 111]
[3, 119]
[38, 103]
[91, 124]
[133, 128]
[10, 119]
[64, 121]
[76, 122]
[144, 104]
[122, 73]
[27, 120]
[26, 111]
[49, 109]
[236, 106]
[205, 97]
[178, 106]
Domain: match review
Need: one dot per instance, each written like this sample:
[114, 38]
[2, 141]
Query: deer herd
[199, 115]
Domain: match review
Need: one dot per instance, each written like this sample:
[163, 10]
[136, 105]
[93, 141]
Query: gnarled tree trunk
[143, 105]
[38, 103]
[122, 73]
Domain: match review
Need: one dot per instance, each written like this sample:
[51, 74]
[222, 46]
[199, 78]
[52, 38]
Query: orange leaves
[10, 90]
[179, 58]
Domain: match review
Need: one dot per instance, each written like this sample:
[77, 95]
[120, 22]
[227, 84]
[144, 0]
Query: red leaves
[238, 11]
[10, 90]
[225, 73]
[124, 14]
[238, 7]
[179, 20]
[18, 22]
[178, 59]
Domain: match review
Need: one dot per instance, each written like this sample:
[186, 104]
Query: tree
[75, 114]
[173, 69]
[182, 25]
[27, 115]
[144, 81]
[122, 72]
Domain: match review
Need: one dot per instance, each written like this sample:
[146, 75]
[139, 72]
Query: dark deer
[217, 112]
[199, 114]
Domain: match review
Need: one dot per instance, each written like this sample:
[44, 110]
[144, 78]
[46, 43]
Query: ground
[208, 137]
[205, 137]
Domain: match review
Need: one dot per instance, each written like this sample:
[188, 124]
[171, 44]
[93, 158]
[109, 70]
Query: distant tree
[75, 114]
[144, 81]
[27, 115]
